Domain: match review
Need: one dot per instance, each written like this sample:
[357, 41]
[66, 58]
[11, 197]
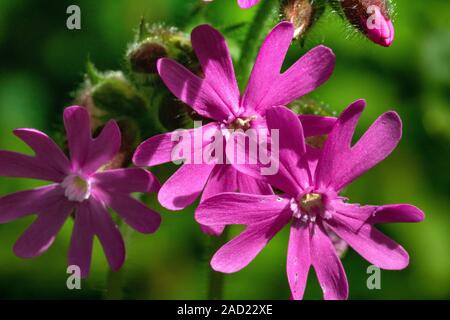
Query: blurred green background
[42, 62]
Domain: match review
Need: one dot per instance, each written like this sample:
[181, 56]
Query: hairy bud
[372, 18]
[302, 14]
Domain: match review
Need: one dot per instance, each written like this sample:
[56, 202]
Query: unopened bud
[155, 41]
[302, 14]
[143, 56]
[372, 18]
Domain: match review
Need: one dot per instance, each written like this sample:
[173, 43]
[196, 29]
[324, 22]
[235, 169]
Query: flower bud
[302, 14]
[154, 41]
[372, 18]
[143, 57]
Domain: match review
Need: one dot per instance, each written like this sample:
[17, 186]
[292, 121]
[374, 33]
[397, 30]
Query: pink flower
[245, 4]
[216, 96]
[311, 180]
[79, 185]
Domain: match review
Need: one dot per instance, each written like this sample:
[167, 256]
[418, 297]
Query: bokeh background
[42, 63]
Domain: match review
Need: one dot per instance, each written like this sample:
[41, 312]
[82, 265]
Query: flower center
[309, 207]
[241, 123]
[76, 188]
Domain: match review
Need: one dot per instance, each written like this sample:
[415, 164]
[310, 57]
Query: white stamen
[76, 188]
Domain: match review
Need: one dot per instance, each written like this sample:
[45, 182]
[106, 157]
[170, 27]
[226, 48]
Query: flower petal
[222, 179]
[23, 203]
[288, 170]
[352, 215]
[161, 148]
[212, 52]
[316, 125]
[184, 186]
[268, 65]
[396, 213]
[240, 251]
[134, 213]
[268, 88]
[328, 266]
[13, 164]
[191, 89]
[103, 148]
[42, 232]
[45, 149]
[78, 129]
[108, 233]
[80, 251]
[373, 246]
[298, 258]
[127, 180]
[245, 4]
[251, 185]
[239, 208]
[292, 146]
[341, 163]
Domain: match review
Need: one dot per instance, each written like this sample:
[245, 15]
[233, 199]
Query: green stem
[253, 38]
[216, 279]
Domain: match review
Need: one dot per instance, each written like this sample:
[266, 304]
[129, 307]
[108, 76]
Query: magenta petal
[103, 148]
[45, 149]
[267, 66]
[108, 233]
[316, 125]
[212, 52]
[341, 163]
[298, 259]
[268, 88]
[291, 147]
[240, 251]
[127, 180]
[23, 203]
[223, 178]
[134, 213]
[42, 232]
[13, 164]
[245, 4]
[373, 246]
[184, 186]
[228, 208]
[78, 129]
[352, 215]
[251, 185]
[328, 266]
[396, 213]
[80, 251]
[158, 149]
[193, 90]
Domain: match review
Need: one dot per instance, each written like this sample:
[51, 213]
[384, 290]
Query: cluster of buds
[371, 17]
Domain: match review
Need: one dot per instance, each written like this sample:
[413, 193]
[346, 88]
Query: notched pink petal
[393, 213]
[42, 232]
[238, 208]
